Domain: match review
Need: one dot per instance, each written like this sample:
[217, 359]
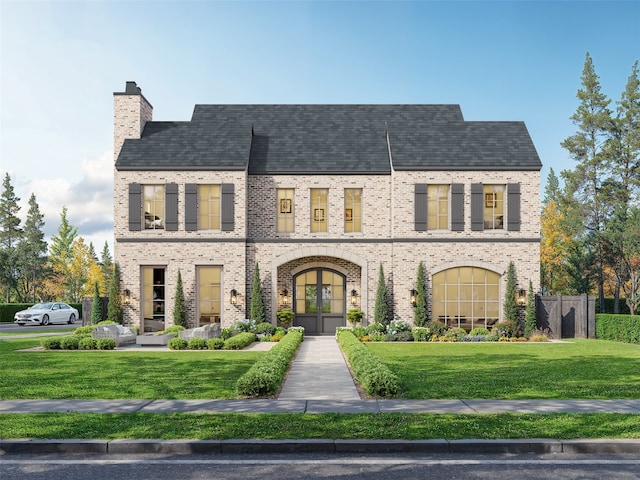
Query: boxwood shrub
[197, 343]
[83, 330]
[215, 344]
[621, 328]
[106, 344]
[69, 342]
[264, 378]
[88, 343]
[178, 343]
[373, 375]
[238, 342]
[51, 343]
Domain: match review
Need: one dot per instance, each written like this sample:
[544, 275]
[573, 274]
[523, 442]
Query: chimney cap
[132, 88]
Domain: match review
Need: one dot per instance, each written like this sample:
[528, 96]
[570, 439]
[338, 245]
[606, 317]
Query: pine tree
[96, 306]
[381, 311]
[179, 306]
[510, 305]
[61, 257]
[32, 254]
[114, 308]
[258, 312]
[530, 321]
[106, 263]
[421, 310]
[10, 234]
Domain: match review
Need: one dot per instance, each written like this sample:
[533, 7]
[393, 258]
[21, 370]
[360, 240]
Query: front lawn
[576, 369]
[117, 374]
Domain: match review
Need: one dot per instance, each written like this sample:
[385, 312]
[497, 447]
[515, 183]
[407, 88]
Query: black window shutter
[457, 207]
[191, 207]
[421, 207]
[171, 207]
[477, 207]
[513, 207]
[135, 207]
[227, 223]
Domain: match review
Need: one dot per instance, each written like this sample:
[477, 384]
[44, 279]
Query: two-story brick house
[320, 196]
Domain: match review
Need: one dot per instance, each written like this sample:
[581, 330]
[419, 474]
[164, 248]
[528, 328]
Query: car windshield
[41, 306]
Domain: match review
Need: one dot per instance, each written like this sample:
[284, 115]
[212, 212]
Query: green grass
[330, 425]
[579, 369]
[59, 331]
[119, 374]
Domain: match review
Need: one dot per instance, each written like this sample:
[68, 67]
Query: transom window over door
[438, 207]
[208, 207]
[467, 297]
[319, 212]
[285, 206]
[209, 294]
[153, 205]
[352, 210]
[493, 216]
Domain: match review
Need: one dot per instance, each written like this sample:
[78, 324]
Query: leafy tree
[631, 242]
[381, 312]
[179, 306]
[32, 254]
[553, 250]
[96, 306]
[61, 257]
[587, 146]
[258, 312]
[510, 306]
[114, 307]
[530, 321]
[10, 235]
[421, 310]
[77, 281]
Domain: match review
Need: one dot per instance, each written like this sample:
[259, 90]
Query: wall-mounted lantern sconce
[285, 297]
[414, 297]
[522, 297]
[234, 297]
[354, 297]
[126, 296]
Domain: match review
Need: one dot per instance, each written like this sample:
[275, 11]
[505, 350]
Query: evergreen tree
[61, 257]
[510, 306]
[421, 310]
[258, 312]
[10, 234]
[586, 183]
[552, 190]
[179, 306]
[32, 254]
[92, 252]
[114, 308]
[530, 321]
[96, 306]
[381, 311]
[106, 263]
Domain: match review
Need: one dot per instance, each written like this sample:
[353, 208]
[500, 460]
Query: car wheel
[72, 318]
[45, 320]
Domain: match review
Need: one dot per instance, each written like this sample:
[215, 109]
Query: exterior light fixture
[285, 297]
[234, 297]
[354, 297]
[126, 296]
[414, 297]
[522, 297]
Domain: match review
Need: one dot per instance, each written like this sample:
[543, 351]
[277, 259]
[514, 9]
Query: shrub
[354, 316]
[265, 376]
[509, 328]
[538, 336]
[473, 338]
[359, 332]
[178, 343]
[173, 329]
[397, 326]
[276, 337]
[437, 328]
[373, 375]
[215, 344]
[265, 328]
[197, 344]
[238, 342]
[620, 328]
[421, 334]
[479, 331]
[285, 316]
[455, 333]
[69, 342]
[52, 343]
[246, 325]
[88, 343]
[227, 332]
[283, 332]
[296, 329]
[522, 339]
[83, 330]
[376, 327]
[106, 344]
[399, 337]
[377, 336]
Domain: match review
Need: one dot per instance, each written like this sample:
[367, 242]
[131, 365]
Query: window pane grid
[438, 207]
[353, 210]
[493, 207]
[153, 205]
[285, 210]
[209, 207]
[319, 212]
[209, 294]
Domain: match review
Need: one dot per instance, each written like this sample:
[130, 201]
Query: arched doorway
[319, 300]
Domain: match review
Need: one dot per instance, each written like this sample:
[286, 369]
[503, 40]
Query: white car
[46, 313]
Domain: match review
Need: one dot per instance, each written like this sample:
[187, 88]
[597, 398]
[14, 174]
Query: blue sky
[61, 61]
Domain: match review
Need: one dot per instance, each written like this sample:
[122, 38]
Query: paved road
[14, 328]
[290, 467]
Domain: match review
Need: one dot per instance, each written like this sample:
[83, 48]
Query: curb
[258, 446]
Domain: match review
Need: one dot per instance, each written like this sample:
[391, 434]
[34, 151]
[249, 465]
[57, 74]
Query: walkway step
[319, 372]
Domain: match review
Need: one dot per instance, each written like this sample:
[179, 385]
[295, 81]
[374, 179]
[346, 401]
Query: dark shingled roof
[329, 139]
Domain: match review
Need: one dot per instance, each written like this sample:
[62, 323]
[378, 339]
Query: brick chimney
[131, 111]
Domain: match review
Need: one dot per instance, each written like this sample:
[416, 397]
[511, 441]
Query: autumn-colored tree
[77, 280]
[553, 250]
[60, 259]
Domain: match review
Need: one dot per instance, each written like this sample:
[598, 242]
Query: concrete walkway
[319, 372]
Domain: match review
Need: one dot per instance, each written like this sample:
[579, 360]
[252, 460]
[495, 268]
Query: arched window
[466, 297]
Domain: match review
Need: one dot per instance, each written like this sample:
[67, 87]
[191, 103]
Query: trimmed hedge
[264, 378]
[621, 328]
[373, 375]
[239, 341]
